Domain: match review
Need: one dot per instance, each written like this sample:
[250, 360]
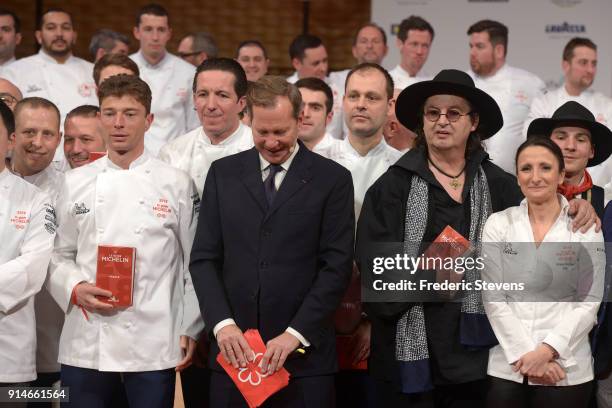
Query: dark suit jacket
[278, 267]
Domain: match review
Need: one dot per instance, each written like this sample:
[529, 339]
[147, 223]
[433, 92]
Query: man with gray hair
[195, 48]
[107, 41]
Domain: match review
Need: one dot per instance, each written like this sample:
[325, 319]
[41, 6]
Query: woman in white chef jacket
[543, 357]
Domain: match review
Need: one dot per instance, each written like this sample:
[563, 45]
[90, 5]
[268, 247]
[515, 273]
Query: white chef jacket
[67, 85]
[521, 326]
[49, 317]
[6, 64]
[27, 228]
[171, 83]
[151, 207]
[194, 153]
[402, 79]
[513, 89]
[365, 170]
[336, 127]
[599, 105]
[325, 145]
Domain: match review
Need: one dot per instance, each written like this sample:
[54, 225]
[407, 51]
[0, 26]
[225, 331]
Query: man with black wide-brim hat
[436, 352]
[584, 143]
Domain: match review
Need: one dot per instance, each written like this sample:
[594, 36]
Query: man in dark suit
[273, 251]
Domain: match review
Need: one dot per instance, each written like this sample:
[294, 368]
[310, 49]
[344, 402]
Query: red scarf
[571, 190]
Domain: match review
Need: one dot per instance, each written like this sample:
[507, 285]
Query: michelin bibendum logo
[565, 27]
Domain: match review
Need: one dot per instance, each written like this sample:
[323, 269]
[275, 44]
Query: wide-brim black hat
[408, 107]
[574, 114]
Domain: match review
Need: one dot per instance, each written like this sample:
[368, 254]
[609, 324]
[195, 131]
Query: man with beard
[579, 69]
[82, 135]
[54, 73]
[10, 37]
[512, 88]
[414, 39]
[37, 135]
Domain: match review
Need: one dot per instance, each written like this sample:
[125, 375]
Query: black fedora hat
[574, 114]
[449, 82]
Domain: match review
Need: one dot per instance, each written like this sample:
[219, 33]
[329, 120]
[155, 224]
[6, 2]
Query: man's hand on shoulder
[233, 346]
[584, 215]
[277, 351]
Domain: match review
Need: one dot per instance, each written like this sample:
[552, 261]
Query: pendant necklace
[454, 183]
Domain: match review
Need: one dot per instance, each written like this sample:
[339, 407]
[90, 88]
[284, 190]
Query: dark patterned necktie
[269, 186]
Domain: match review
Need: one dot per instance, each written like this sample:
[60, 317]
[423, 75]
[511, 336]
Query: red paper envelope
[255, 386]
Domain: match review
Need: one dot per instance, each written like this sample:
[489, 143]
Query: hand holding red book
[251, 381]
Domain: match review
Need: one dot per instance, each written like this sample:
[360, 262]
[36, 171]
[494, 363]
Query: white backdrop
[538, 31]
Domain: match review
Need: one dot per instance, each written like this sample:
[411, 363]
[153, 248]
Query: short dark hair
[414, 23]
[6, 114]
[39, 21]
[106, 39]
[119, 60]
[16, 20]
[126, 85]
[251, 43]
[268, 89]
[153, 9]
[301, 43]
[318, 85]
[227, 65]
[370, 66]
[498, 33]
[568, 51]
[541, 141]
[35, 102]
[373, 25]
[83, 111]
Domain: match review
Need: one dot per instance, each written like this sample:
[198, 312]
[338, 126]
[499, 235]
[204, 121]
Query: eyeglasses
[8, 99]
[452, 115]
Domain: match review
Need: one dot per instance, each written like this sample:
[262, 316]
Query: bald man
[9, 93]
[397, 135]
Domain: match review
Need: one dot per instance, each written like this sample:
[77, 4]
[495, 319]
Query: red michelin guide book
[115, 272]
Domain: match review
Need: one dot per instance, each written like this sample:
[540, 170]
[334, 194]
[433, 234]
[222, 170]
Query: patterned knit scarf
[411, 350]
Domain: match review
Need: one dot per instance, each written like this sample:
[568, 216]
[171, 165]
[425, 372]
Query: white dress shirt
[365, 170]
[67, 85]
[513, 89]
[151, 207]
[49, 316]
[194, 153]
[336, 127]
[27, 228]
[325, 145]
[599, 105]
[402, 79]
[520, 326]
[171, 82]
[278, 179]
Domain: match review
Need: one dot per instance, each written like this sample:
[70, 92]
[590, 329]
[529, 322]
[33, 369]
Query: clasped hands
[540, 366]
[236, 350]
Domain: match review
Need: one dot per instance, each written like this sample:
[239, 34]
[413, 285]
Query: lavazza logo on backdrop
[565, 27]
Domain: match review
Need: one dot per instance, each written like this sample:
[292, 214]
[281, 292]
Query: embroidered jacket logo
[80, 209]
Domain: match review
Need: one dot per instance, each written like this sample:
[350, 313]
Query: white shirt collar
[140, 160]
[47, 58]
[162, 62]
[379, 148]
[8, 62]
[285, 165]
[562, 200]
[227, 141]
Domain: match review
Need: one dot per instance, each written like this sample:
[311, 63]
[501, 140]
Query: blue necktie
[269, 186]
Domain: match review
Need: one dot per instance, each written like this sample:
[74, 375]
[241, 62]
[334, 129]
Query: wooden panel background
[274, 22]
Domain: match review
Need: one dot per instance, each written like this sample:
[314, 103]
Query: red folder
[254, 385]
[115, 273]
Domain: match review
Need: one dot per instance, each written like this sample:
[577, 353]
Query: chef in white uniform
[579, 67]
[414, 39]
[169, 77]
[219, 97]
[54, 73]
[128, 199]
[37, 135]
[27, 228]
[309, 58]
[10, 32]
[317, 112]
[512, 88]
